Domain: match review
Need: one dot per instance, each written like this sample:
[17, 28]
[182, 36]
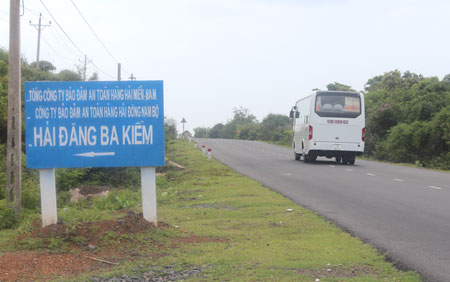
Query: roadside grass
[227, 225]
[267, 235]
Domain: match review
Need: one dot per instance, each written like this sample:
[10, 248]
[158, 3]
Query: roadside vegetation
[407, 120]
[214, 225]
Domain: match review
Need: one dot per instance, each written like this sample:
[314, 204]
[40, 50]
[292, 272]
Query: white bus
[329, 124]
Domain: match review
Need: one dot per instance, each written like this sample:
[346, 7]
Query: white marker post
[148, 186]
[195, 144]
[203, 150]
[48, 196]
[209, 154]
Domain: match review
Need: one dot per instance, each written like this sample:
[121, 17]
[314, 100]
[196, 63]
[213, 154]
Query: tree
[170, 129]
[94, 77]
[216, 131]
[339, 87]
[272, 124]
[201, 132]
[68, 75]
[407, 118]
[44, 66]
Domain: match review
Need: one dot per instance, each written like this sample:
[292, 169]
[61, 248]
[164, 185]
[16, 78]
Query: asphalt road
[403, 211]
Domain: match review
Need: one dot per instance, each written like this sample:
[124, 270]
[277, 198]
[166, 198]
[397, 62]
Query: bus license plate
[337, 147]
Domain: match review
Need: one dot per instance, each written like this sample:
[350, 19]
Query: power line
[68, 37]
[98, 38]
[56, 52]
[107, 50]
[62, 41]
[100, 70]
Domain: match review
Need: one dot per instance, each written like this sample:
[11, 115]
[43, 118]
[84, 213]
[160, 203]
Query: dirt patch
[28, 265]
[89, 192]
[92, 232]
[170, 166]
[79, 256]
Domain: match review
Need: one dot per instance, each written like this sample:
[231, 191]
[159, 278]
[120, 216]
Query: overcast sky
[262, 55]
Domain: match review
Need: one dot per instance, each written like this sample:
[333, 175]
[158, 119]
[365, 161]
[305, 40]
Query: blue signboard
[94, 124]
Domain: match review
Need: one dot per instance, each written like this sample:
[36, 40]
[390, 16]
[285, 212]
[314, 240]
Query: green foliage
[339, 87]
[7, 218]
[170, 129]
[94, 77]
[68, 178]
[45, 66]
[68, 75]
[117, 200]
[408, 118]
[274, 128]
[2, 171]
[30, 194]
[124, 177]
[201, 132]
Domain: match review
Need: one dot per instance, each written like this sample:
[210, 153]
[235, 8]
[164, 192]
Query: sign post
[94, 124]
[48, 196]
[148, 186]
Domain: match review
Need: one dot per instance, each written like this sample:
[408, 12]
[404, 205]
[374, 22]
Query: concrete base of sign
[148, 186]
[48, 196]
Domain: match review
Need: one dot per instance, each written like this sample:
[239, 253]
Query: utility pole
[39, 28]
[183, 121]
[14, 142]
[119, 71]
[84, 68]
[132, 77]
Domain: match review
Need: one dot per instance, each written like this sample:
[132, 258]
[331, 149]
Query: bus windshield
[338, 104]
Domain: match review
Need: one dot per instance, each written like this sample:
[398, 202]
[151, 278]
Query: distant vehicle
[329, 124]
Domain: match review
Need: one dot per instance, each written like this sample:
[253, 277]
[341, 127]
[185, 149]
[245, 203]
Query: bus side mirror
[293, 113]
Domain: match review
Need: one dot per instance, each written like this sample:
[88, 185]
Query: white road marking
[434, 187]
[370, 174]
[287, 174]
[400, 180]
[332, 166]
[347, 169]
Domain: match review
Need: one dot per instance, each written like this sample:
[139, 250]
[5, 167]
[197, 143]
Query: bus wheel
[338, 159]
[297, 156]
[305, 158]
[313, 159]
[351, 161]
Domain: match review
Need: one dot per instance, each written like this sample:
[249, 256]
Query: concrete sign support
[48, 196]
[94, 124]
[148, 184]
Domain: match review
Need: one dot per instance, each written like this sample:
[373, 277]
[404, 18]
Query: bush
[7, 219]
[31, 198]
[124, 177]
[67, 178]
[406, 143]
[441, 162]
